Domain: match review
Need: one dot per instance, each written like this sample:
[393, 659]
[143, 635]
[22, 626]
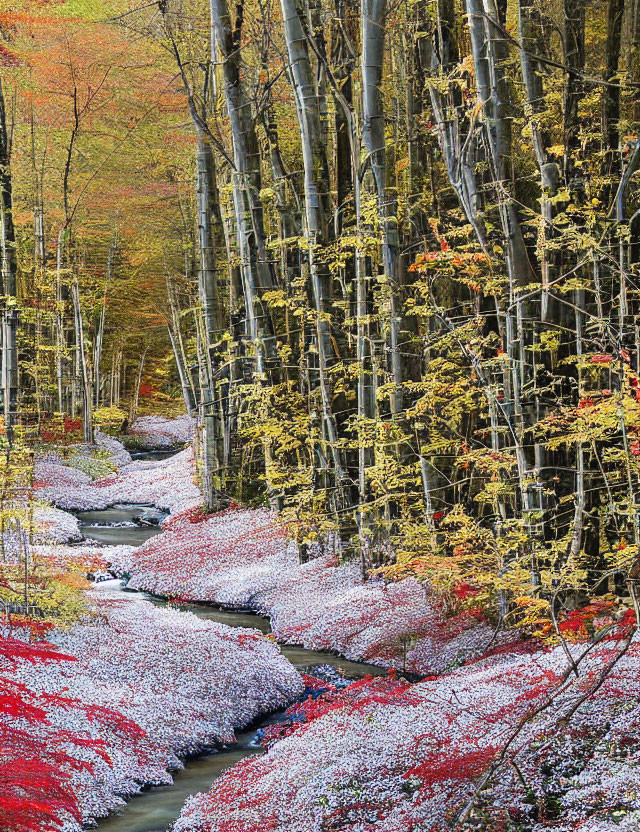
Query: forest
[325, 316]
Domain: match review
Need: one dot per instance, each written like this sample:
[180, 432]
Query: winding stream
[155, 809]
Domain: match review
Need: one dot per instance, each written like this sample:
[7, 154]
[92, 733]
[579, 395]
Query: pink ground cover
[178, 682]
[385, 756]
[242, 558]
[168, 484]
[156, 432]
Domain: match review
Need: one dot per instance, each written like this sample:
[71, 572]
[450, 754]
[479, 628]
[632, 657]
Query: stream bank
[384, 755]
[157, 807]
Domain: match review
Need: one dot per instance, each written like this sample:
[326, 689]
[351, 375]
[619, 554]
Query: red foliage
[34, 796]
[458, 765]
[463, 591]
[37, 765]
[196, 515]
[583, 622]
[355, 697]
[7, 57]
[72, 425]
[14, 649]
[36, 627]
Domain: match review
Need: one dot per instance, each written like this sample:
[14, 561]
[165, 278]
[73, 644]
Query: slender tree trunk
[9, 280]
[182, 373]
[574, 57]
[59, 323]
[255, 271]
[210, 299]
[82, 368]
[97, 355]
[317, 207]
[373, 137]
[343, 61]
[133, 411]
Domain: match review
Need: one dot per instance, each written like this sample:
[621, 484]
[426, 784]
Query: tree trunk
[210, 299]
[574, 57]
[317, 207]
[9, 280]
[97, 353]
[182, 374]
[133, 411]
[373, 137]
[82, 369]
[255, 271]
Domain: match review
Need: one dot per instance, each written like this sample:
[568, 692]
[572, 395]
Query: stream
[156, 808]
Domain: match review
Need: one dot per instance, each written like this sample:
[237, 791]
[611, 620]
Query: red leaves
[14, 702]
[36, 627]
[35, 789]
[573, 623]
[37, 764]
[197, 515]
[582, 623]
[13, 649]
[57, 430]
[457, 765]
[463, 591]
[34, 796]
[7, 57]
[146, 390]
[72, 425]
[449, 259]
[326, 697]
[600, 358]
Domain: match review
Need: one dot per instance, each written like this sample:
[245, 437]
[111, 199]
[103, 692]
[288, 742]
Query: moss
[95, 466]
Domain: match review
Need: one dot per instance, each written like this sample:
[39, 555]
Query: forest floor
[501, 734]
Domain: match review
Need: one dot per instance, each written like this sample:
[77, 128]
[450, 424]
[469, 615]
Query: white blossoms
[156, 432]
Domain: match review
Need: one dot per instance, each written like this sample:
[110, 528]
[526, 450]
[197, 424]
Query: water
[115, 526]
[158, 807]
[155, 809]
[141, 456]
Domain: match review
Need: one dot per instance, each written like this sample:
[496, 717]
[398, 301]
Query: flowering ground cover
[142, 686]
[126, 691]
[511, 741]
[387, 756]
[240, 558]
[168, 484]
[52, 525]
[157, 432]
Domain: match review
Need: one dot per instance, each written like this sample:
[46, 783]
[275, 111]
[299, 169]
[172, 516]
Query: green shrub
[94, 467]
[110, 420]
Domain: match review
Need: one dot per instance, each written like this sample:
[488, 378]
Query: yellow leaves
[532, 614]
[109, 416]
[466, 66]
[598, 416]
[276, 299]
[73, 580]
